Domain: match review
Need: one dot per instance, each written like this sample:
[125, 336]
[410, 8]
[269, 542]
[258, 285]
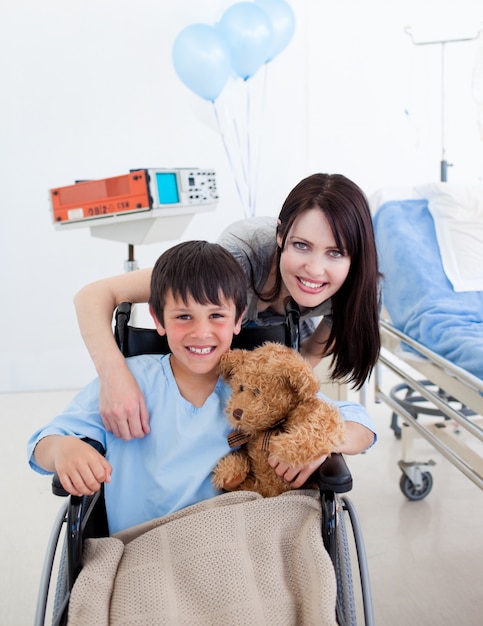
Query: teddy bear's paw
[230, 472]
[294, 454]
[233, 483]
[228, 483]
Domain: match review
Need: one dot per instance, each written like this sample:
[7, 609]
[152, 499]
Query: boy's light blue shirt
[171, 467]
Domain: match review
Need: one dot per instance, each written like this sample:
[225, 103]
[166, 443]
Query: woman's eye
[299, 245]
[336, 254]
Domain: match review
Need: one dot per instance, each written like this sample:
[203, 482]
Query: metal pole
[444, 163]
[131, 264]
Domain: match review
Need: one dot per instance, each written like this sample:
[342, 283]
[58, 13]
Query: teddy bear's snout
[237, 414]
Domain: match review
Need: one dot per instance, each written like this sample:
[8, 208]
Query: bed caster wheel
[416, 493]
[395, 426]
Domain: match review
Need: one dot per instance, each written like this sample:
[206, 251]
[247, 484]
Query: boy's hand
[80, 468]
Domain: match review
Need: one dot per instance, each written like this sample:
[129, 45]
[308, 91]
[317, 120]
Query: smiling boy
[197, 299]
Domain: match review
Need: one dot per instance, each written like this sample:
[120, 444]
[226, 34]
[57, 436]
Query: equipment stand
[442, 43]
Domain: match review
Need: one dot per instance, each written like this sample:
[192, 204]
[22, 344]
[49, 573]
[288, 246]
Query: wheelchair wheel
[346, 608]
[411, 491]
[61, 588]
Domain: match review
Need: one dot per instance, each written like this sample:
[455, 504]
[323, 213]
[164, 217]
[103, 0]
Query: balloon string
[229, 157]
[240, 129]
[259, 146]
[241, 150]
[241, 134]
[249, 151]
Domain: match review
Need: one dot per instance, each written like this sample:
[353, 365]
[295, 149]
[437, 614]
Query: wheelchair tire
[61, 587]
[346, 607]
[409, 489]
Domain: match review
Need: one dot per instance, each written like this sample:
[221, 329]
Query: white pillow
[452, 200]
[457, 211]
[387, 194]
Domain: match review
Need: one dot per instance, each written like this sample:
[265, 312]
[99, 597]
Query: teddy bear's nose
[237, 414]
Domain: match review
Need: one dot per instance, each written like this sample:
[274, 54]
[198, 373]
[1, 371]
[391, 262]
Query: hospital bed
[430, 248]
[84, 518]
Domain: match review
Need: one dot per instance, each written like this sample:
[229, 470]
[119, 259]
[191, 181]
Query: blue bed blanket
[416, 292]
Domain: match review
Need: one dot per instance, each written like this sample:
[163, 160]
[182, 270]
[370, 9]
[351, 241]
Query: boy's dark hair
[205, 271]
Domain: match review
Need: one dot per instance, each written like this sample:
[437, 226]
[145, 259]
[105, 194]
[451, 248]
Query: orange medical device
[140, 190]
[93, 199]
[144, 206]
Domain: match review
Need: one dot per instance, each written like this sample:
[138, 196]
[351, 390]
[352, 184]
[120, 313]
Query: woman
[321, 252]
[324, 257]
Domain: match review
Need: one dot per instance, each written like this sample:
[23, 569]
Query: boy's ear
[157, 323]
[238, 324]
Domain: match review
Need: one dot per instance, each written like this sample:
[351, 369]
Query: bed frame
[445, 407]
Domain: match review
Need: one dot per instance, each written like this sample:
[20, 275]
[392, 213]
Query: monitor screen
[167, 188]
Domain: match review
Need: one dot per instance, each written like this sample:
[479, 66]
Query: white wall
[89, 91]
[366, 73]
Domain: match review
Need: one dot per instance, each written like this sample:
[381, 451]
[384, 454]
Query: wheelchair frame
[85, 517]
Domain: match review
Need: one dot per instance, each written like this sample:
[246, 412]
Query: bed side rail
[457, 384]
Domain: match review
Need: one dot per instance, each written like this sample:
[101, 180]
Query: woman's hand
[296, 476]
[357, 439]
[121, 404]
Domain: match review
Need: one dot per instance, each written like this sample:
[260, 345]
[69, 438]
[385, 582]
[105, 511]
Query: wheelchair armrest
[334, 475]
[57, 488]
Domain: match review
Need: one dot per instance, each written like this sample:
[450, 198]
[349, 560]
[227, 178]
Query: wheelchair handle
[334, 475]
[292, 313]
[123, 315]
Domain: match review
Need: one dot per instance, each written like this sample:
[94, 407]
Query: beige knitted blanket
[234, 560]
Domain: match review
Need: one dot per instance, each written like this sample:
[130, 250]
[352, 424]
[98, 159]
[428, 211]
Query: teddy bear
[274, 408]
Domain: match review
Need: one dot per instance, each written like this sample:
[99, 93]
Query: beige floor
[425, 558]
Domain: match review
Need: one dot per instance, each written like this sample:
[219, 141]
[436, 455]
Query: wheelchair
[81, 518]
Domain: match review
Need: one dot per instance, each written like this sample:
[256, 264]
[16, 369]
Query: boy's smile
[197, 334]
[200, 350]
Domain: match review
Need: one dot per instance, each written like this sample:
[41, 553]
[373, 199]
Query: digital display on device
[167, 188]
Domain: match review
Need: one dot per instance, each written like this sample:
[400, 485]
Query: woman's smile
[308, 284]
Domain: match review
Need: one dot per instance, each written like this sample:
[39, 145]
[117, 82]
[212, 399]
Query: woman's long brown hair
[354, 337]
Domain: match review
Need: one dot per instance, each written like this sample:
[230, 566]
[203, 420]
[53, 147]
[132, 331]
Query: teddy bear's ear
[231, 361]
[301, 377]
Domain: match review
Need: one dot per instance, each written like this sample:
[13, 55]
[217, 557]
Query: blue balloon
[248, 33]
[282, 18]
[202, 60]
